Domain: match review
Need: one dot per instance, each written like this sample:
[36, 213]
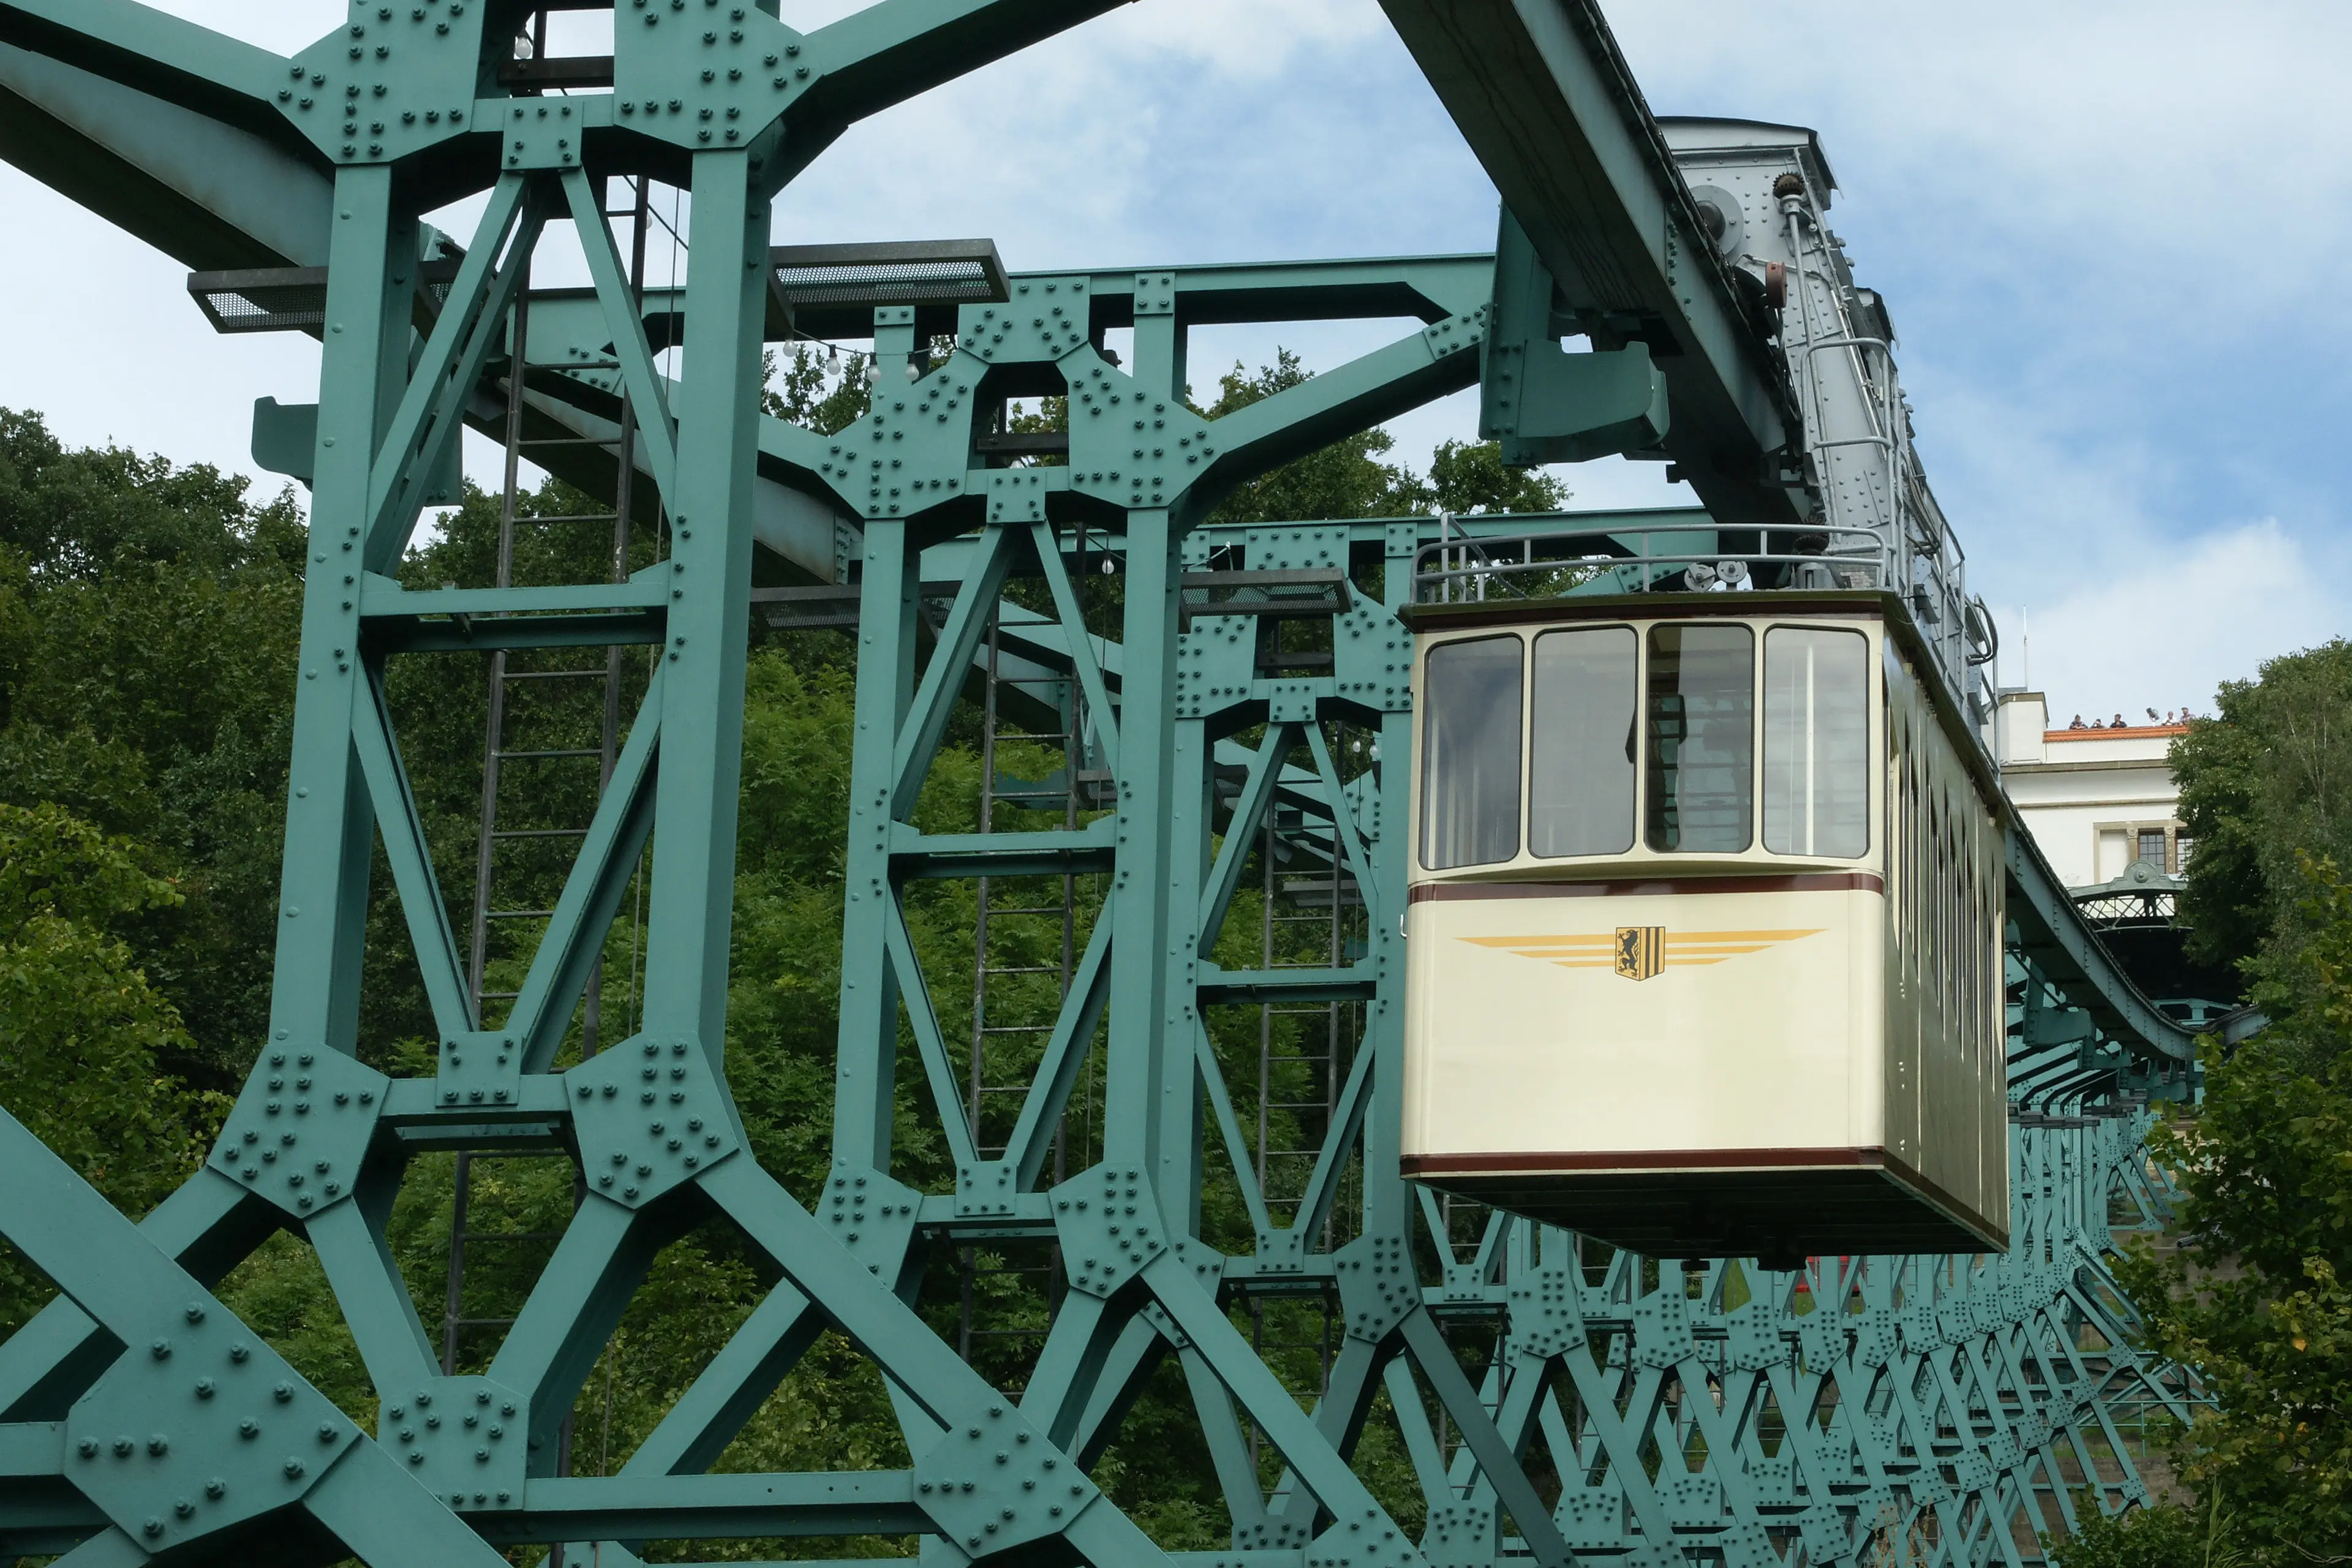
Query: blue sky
[2111, 237]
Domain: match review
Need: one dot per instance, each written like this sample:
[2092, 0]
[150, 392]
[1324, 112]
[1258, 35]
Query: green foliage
[1347, 479]
[822, 392]
[2256, 1298]
[82, 1033]
[2163, 1537]
[1467, 477]
[2269, 778]
[148, 621]
[1350, 477]
[148, 618]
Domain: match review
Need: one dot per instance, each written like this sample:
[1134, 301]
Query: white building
[2095, 799]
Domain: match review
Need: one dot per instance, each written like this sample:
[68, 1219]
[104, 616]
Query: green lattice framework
[139, 1418]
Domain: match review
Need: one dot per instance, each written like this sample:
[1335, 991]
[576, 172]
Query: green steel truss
[1610, 1408]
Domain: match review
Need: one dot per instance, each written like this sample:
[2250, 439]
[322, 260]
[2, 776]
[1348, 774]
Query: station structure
[1235, 712]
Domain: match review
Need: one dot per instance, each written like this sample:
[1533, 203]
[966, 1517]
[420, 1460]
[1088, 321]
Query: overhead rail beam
[1994, 1400]
[1548, 105]
[2053, 931]
[207, 193]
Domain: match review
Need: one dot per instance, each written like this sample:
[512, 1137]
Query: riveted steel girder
[1831, 1405]
[1546, 102]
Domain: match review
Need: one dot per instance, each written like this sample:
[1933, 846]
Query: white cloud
[2111, 232]
[2164, 629]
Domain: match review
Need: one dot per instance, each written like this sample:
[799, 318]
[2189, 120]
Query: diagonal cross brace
[99, 1258]
[941, 1388]
[1497, 1456]
[1032, 1141]
[646, 389]
[947, 1094]
[1343, 825]
[207, 1226]
[1315, 1461]
[1103, 716]
[592, 894]
[927, 720]
[430, 935]
[157, 53]
[427, 419]
[1224, 878]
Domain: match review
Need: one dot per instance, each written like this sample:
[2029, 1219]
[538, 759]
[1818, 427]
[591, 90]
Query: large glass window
[1701, 720]
[1470, 754]
[1816, 742]
[1580, 743]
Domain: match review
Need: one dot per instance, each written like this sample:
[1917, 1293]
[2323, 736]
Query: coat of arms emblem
[1641, 950]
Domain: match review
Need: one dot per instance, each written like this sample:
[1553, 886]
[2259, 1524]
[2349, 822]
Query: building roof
[2115, 733]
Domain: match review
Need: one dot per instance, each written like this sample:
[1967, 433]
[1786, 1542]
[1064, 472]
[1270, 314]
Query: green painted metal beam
[211, 195]
[153, 52]
[1971, 1370]
[1546, 102]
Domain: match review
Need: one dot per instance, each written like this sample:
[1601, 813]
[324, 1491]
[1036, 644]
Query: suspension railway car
[1704, 933]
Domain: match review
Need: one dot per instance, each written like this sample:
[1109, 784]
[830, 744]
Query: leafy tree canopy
[1354, 476]
[2267, 779]
[2258, 1297]
[83, 1035]
[148, 619]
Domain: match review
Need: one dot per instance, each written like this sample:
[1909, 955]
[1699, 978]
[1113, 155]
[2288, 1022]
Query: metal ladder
[497, 753]
[994, 1102]
[1316, 907]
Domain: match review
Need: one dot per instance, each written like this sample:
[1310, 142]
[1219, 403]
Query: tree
[1345, 478]
[2151, 1538]
[148, 621]
[818, 391]
[82, 1033]
[2270, 777]
[148, 618]
[1468, 477]
[2258, 1296]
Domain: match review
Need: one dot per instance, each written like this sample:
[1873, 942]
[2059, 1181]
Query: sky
[2110, 235]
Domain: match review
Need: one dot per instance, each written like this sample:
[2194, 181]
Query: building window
[2181, 847]
[2151, 847]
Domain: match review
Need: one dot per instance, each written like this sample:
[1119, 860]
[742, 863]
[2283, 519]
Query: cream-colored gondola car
[1703, 932]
